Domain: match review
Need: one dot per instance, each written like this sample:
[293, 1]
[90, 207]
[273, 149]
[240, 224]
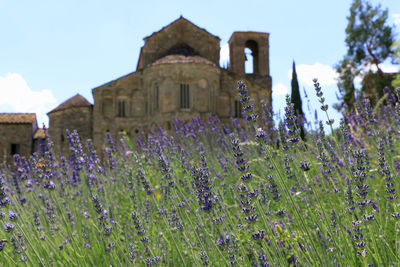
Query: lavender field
[213, 194]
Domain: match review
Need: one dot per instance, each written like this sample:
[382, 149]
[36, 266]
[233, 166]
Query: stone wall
[20, 134]
[229, 93]
[212, 91]
[74, 118]
[143, 110]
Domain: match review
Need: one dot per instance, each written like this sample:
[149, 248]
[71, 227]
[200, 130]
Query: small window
[156, 92]
[251, 57]
[184, 96]
[238, 109]
[121, 108]
[62, 138]
[248, 61]
[14, 149]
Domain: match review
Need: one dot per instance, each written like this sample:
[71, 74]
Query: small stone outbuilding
[73, 114]
[16, 135]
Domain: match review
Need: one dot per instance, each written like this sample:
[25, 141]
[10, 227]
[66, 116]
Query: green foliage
[396, 48]
[372, 85]
[369, 38]
[369, 43]
[396, 81]
[346, 83]
[296, 100]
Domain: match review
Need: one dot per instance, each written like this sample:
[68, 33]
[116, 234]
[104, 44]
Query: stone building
[177, 76]
[74, 113]
[17, 132]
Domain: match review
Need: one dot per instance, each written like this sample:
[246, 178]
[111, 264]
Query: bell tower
[258, 43]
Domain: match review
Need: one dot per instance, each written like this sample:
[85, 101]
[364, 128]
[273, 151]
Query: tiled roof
[182, 59]
[17, 117]
[75, 101]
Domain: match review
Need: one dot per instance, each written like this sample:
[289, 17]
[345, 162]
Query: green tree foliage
[396, 81]
[369, 43]
[346, 71]
[373, 84]
[296, 100]
[396, 48]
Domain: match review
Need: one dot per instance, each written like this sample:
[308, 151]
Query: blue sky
[52, 50]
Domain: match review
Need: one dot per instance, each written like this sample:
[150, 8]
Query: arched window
[156, 96]
[248, 61]
[251, 57]
[121, 108]
[184, 96]
[238, 109]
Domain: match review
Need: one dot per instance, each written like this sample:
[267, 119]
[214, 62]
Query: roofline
[123, 76]
[20, 113]
[139, 63]
[26, 113]
[54, 111]
[209, 62]
[56, 108]
[181, 17]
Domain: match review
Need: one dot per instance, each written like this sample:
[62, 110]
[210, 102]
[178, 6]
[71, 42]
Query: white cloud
[385, 68]
[17, 96]
[396, 18]
[357, 81]
[325, 74]
[279, 89]
[224, 54]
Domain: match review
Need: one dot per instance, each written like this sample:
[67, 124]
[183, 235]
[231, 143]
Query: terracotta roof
[182, 59]
[75, 101]
[39, 134]
[17, 117]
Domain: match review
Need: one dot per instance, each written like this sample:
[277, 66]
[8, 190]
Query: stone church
[177, 76]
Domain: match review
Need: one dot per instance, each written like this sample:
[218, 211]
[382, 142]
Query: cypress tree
[296, 100]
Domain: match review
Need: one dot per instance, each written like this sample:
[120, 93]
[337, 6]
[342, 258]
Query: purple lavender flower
[4, 200]
[251, 117]
[384, 171]
[305, 166]
[290, 121]
[8, 227]
[166, 171]
[202, 187]
[12, 216]
[49, 185]
[203, 257]
[2, 244]
[241, 163]
[142, 178]
[152, 261]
